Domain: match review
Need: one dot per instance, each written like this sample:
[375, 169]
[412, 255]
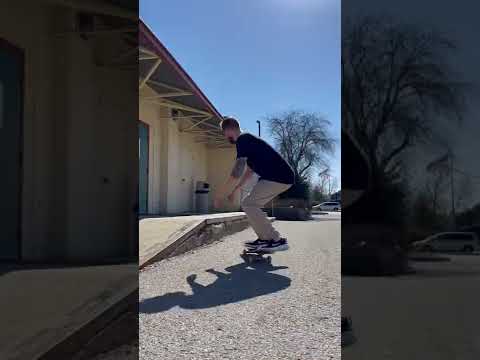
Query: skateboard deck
[251, 256]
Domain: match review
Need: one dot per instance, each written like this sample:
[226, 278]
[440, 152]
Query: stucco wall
[79, 170]
[176, 161]
[154, 116]
[38, 210]
[101, 169]
[187, 164]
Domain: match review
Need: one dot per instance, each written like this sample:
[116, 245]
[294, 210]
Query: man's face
[231, 135]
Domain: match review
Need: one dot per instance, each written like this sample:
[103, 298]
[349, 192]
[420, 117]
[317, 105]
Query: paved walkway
[431, 314]
[208, 304]
[53, 303]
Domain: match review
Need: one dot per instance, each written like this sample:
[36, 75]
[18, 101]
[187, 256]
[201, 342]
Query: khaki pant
[262, 193]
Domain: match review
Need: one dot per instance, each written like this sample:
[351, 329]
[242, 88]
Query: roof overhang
[174, 88]
[125, 9]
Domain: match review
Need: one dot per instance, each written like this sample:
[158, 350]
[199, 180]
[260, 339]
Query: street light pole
[452, 190]
[258, 122]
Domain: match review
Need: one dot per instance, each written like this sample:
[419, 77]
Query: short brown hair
[229, 122]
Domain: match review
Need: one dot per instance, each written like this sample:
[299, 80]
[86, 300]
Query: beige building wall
[38, 168]
[187, 164]
[101, 164]
[79, 187]
[177, 162]
[155, 117]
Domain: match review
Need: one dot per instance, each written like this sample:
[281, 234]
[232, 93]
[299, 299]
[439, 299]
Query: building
[69, 181]
[180, 143]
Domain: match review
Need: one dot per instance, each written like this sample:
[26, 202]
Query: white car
[449, 241]
[328, 206]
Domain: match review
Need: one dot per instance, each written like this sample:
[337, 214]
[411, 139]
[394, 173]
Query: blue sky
[253, 58]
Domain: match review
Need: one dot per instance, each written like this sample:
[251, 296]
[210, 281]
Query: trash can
[201, 197]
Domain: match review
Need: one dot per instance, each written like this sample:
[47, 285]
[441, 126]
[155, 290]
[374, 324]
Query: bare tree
[332, 185]
[434, 189]
[323, 180]
[303, 139]
[327, 183]
[394, 84]
[463, 191]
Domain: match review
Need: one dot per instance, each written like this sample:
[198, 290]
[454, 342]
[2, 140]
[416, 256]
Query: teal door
[143, 137]
[11, 73]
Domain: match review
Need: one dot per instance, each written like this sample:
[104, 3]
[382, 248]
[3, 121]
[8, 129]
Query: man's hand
[231, 197]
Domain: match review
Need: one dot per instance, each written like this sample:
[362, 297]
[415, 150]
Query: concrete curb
[202, 233]
[75, 341]
[319, 212]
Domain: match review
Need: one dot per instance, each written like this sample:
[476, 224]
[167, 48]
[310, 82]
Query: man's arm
[235, 175]
[246, 176]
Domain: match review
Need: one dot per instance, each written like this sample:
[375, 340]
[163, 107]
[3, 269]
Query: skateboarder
[254, 155]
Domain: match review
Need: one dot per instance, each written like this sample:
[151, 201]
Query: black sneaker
[254, 244]
[272, 246]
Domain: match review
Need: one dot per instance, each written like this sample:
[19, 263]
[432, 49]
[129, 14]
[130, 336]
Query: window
[461, 237]
[444, 237]
[472, 229]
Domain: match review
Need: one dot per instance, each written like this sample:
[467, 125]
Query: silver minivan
[328, 206]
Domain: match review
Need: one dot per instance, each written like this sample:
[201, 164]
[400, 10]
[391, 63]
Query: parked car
[474, 228]
[328, 206]
[449, 241]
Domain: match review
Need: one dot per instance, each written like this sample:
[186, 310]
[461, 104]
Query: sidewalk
[159, 233]
[54, 303]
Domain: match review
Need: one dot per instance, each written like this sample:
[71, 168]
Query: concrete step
[60, 308]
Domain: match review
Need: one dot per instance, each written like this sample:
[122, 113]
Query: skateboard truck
[251, 256]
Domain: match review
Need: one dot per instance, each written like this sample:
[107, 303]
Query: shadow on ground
[241, 282]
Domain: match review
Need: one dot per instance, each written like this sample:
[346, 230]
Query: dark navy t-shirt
[264, 160]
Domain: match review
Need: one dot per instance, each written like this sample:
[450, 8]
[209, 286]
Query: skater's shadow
[240, 282]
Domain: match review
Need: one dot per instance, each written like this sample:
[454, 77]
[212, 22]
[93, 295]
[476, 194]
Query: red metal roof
[146, 34]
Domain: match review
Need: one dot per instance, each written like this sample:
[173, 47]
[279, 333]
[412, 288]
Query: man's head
[230, 128]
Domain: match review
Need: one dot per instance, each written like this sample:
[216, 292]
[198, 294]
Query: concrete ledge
[102, 333]
[194, 235]
[79, 303]
[210, 233]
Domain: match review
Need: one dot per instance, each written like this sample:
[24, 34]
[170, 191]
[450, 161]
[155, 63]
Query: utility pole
[452, 190]
[258, 122]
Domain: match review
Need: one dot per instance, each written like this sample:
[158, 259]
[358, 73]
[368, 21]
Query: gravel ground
[208, 304]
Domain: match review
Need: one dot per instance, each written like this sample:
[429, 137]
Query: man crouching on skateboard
[254, 155]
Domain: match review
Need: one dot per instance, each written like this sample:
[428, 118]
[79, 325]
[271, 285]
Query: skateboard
[250, 256]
